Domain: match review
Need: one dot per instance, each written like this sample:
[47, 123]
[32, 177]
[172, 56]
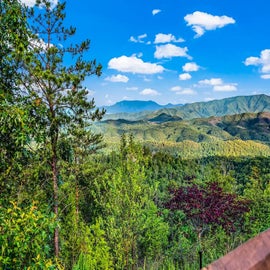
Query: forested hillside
[172, 132]
[148, 194]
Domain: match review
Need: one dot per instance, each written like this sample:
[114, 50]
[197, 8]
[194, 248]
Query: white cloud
[252, 61]
[155, 11]
[219, 85]
[134, 65]
[138, 39]
[263, 61]
[184, 76]
[31, 3]
[266, 68]
[39, 44]
[225, 88]
[176, 88]
[118, 78]
[187, 91]
[169, 51]
[213, 81]
[201, 22]
[142, 36]
[199, 30]
[265, 76]
[133, 39]
[189, 67]
[149, 92]
[166, 38]
[265, 55]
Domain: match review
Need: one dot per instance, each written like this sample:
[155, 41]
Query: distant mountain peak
[135, 106]
[163, 117]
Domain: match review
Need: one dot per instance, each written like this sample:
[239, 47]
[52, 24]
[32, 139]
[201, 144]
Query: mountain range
[226, 123]
[145, 110]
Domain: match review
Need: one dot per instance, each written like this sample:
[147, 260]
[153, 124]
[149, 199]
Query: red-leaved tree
[209, 205]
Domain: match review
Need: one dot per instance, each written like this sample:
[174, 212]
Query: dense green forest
[69, 200]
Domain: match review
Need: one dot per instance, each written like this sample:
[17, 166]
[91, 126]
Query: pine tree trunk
[55, 198]
[77, 203]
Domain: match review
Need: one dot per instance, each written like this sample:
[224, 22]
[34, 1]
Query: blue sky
[175, 51]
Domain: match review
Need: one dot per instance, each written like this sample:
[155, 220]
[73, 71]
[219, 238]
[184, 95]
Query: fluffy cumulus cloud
[189, 67]
[155, 11]
[134, 65]
[169, 51]
[252, 61]
[184, 76]
[149, 92]
[263, 62]
[201, 22]
[213, 81]
[218, 85]
[166, 38]
[31, 3]
[117, 78]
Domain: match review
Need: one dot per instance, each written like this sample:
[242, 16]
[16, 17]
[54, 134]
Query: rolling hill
[246, 126]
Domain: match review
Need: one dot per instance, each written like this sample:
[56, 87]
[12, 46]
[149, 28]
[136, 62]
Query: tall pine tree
[54, 88]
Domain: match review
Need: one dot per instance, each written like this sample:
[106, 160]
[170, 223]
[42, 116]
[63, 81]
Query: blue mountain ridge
[135, 106]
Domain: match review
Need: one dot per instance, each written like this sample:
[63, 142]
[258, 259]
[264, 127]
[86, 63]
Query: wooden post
[200, 258]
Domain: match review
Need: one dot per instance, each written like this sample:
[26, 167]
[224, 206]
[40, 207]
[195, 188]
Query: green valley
[241, 134]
